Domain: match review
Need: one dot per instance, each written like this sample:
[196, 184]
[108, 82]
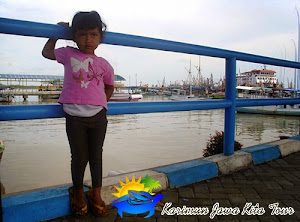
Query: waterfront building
[257, 77]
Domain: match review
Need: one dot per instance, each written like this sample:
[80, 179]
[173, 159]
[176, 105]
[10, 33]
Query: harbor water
[37, 153]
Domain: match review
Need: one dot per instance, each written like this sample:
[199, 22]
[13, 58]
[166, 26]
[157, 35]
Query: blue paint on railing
[229, 125]
[263, 153]
[295, 137]
[22, 112]
[190, 172]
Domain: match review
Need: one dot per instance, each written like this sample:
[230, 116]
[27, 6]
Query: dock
[36, 93]
[48, 85]
[40, 94]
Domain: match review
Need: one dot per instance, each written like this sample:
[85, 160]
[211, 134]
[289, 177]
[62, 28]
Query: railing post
[230, 94]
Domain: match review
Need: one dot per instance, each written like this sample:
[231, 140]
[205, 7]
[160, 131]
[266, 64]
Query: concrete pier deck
[277, 181]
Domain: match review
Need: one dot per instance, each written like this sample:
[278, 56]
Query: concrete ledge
[54, 202]
[287, 146]
[229, 164]
[263, 153]
[36, 206]
[109, 183]
[181, 174]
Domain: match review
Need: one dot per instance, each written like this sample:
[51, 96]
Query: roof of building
[260, 70]
[119, 78]
[44, 77]
[25, 76]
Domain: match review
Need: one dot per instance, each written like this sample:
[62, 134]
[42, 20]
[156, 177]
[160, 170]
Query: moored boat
[182, 96]
[125, 97]
[218, 95]
[185, 98]
[6, 94]
[285, 110]
[260, 92]
[122, 93]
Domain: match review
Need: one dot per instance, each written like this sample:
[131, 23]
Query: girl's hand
[48, 50]
[66, 24]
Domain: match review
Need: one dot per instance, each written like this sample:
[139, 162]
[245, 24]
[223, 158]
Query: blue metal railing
[26, 28]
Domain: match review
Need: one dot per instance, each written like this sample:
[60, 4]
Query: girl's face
[87, 40]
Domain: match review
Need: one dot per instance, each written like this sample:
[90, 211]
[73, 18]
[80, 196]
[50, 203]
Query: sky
[262, 27]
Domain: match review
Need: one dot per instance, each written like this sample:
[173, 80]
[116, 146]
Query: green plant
[215, 145]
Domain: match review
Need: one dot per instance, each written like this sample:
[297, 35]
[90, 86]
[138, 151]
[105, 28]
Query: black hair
[87, 20]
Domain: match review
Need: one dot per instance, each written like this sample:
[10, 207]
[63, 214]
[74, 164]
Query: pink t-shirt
[85, 77]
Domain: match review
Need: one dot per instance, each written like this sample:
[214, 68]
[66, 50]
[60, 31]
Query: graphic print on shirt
[96, 75]
[86, 65]
[77, 64]
[80, 80]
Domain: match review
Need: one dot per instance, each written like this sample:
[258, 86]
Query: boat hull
[6, 99]
[184, 98]
[125, 97]
[270, 110]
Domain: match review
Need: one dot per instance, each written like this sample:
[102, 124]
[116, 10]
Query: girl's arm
[48, 50]
[109, 89]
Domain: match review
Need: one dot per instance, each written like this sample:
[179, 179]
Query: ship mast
[189, 74]
[199, 73]
[190, 77]
[297, 84]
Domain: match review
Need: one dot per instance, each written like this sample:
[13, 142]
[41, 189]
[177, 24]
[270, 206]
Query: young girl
[88, 85]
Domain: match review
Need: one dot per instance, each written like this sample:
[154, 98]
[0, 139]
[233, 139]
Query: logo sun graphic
[130, 185]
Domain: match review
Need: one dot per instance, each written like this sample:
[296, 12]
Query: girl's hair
[87, 20]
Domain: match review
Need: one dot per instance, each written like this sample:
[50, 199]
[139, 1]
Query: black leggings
[86, 136]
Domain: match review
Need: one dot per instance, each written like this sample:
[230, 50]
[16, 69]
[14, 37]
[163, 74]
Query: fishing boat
[182, 96]
[167, 92]
[259, 92]
[122, 93]
[218, 95]
[53, 89]
[185, 98]
[6, 94]
[285, 110]
[125, 97]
